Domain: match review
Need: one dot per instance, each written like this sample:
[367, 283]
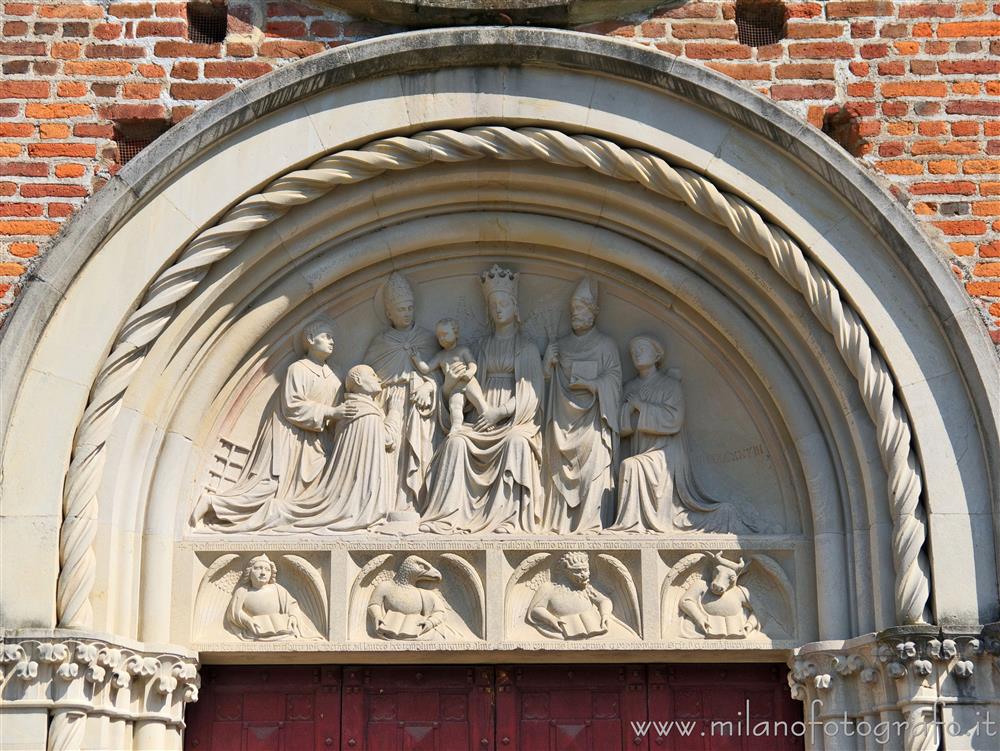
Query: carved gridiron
[76, 577]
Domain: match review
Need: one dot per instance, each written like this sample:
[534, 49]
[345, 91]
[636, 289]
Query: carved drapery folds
[910, 687]
[76, 676]
[651, 171]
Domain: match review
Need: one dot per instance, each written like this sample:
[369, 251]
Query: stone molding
[75, 675]
[655, 173]
[422, 13]
[922, 683]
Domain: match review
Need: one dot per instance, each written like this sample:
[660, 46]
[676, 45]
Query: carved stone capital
[920, 682]
[73, 671]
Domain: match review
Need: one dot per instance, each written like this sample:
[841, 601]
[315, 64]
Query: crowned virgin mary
[485, 478]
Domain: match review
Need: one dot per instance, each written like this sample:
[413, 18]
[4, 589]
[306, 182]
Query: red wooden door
[417, 709]
[721, 708]
[265, 709]
[522, 708]
[570, 707]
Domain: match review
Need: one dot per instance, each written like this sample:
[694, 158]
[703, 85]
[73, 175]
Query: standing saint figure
[581, 431]
[408, 397]
[657, 491]
[485, 478]
[291, 450]
[354, 492]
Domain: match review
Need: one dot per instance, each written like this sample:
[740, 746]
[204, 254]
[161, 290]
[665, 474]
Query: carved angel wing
[524, 567]
[626, 576]
[371, 574]
[544, 324]
[313, 594]
[473, 577]
[222, 576]
[373, 565]
[779, 577]
[683, 565]
[474, 326]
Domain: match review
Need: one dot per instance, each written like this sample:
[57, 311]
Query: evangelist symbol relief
[432, 433]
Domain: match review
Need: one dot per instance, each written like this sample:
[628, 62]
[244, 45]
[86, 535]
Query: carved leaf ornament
[653, 172]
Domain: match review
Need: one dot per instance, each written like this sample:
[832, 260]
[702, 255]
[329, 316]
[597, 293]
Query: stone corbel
[912, 686]
[74, 676]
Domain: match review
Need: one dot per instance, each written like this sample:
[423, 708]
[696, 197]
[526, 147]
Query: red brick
[161, 29]
[24, 90]
[70, 11]
[872, 51]
[291, 48]
[16, 130]
[23, 250]
[39, 190]
[805, 70]
[131, 10]
[171, 10]
[59, 210]
[822, 50]
[199, 90]
[717, 51]
[926, 10]
[864, 89]
[942, 167]
[914, 88]
[969, 29]
[900, 167]
[698, 30]
[957, 188]
[186, 49]
[21, 209]
[801, 91]
[65, 50]
[149, 70]
[239, 49]
[922, 148]
[892, 68]
[743, 71]
[53, 130]
[134, 112]
[62, 149]
[141, 90]
[326, 29]
[9, 268]
[93, 130]
[18, 9]
[108, 31]
[797, 30]
[32, 49]
[972, 107]
[689, 10]
[186, 71]
[113, 51]
[981, 166]
[852, 8]
[236, 70]
[21, 227]
[285, 29]
[97, 68]
[70, 170]
[986, 208]
[15, 28]
[71, 88]
[962, 227]
[57, 111]
[984, 289]
[24, 169]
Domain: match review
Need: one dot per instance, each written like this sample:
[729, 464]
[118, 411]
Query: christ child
[458, 367]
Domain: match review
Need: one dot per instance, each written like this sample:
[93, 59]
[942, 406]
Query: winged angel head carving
[415, 601]
[259, 607]
[557, 597]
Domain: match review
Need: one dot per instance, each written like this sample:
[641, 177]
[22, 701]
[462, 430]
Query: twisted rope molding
[77, 559]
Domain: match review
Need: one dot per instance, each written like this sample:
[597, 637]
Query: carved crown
[499, 279]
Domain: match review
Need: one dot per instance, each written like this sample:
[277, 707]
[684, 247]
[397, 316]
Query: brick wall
[911, 88]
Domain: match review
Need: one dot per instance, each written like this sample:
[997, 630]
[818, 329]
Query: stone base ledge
[912, 687]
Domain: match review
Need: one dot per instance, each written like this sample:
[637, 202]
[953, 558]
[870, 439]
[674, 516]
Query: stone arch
[691, 180]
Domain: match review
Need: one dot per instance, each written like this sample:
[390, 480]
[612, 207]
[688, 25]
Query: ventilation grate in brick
[760, 22]
[132, 136]
[207, 22]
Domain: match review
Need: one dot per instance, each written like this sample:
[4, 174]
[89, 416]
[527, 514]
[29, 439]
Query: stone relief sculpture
[709, 596]
[581, 431]
[408, 397]
[485, 478]
[565, 604]
[250, 603]
[450, 360]
[354, 492]
[384, 467]
[290, 452]
[657, 491]
[413, 600]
